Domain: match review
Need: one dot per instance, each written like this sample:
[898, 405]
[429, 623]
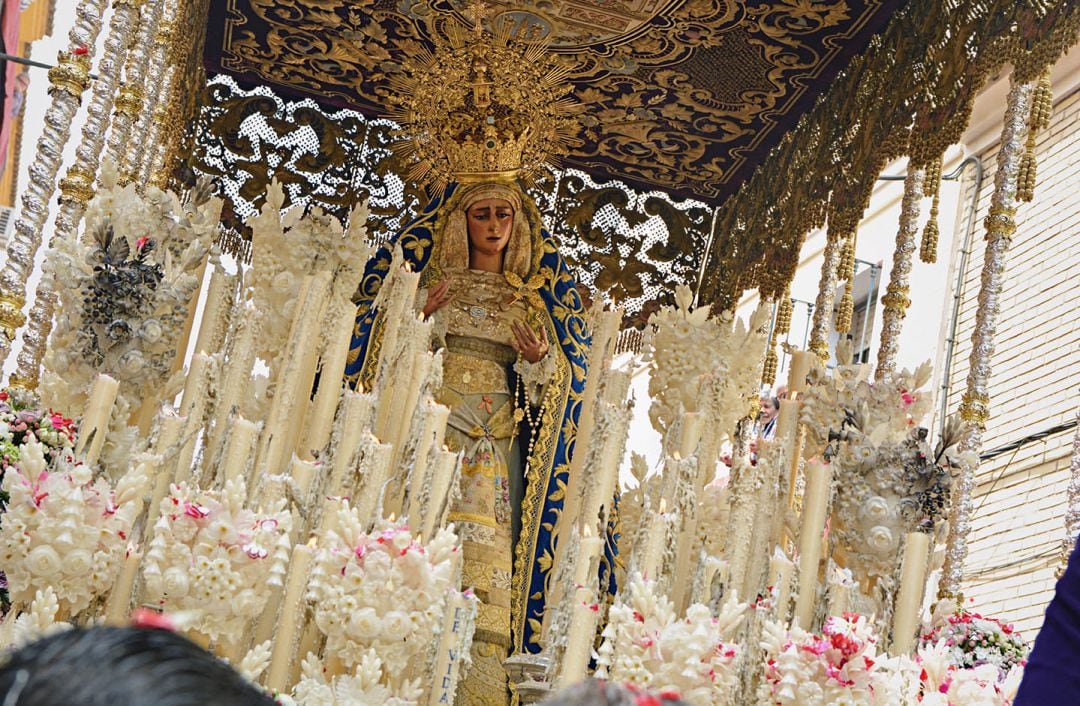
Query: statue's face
[490, 223]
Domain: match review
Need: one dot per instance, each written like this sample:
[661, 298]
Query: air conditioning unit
[7, 224]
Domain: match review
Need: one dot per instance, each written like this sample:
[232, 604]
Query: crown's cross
[476, 12]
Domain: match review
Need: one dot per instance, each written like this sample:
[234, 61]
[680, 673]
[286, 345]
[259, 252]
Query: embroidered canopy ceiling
[684, 96]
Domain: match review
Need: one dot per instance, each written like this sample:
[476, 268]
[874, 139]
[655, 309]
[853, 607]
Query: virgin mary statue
[509, 319]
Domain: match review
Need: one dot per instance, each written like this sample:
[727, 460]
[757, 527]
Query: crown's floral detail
[482, 105]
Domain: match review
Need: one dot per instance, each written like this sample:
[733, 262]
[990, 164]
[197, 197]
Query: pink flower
[195, 510]
[140, 243]
[255, 551]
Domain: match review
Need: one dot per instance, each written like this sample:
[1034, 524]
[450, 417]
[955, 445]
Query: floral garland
[212, 556]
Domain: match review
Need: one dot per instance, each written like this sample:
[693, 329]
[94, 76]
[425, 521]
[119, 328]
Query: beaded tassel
[1042, 104]
[847, 271]
[931, 187]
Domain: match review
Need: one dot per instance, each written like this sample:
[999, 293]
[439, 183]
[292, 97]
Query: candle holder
[529, 676]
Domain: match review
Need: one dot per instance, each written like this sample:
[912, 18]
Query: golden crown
[481, 106]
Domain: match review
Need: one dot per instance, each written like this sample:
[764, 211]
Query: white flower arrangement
[64, 529]
[646, 644]
[286, 248]
[686, 348]
[40, 620]
[809, 669]
[127, 286]
[384, 591]
[366, 686]
[841, 666]
[214, 557]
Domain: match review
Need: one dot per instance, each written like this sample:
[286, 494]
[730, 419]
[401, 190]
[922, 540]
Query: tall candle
[780, 570]
[195, 384]
[236, 375]
[240, 447]
[909, 598]
[815, 508]
[321, 420]
[432, 430]
[119, 601]
[653, 551]
[693, 423]
[288, 616]
[353, 420]
[95, 420]
[302, 472]
[800, 368]
[459, 614]
[218, 301]
[787, 423]
[589, 550]
[579, 643]
[374, 470]
[446, 463]
[294, 376]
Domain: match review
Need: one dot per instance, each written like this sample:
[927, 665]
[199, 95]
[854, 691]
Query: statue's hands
[531, 346]
[437, 297]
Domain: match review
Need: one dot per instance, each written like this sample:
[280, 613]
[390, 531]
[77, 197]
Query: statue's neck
[486, 262]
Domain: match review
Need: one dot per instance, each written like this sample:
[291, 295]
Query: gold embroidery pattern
[661, 112]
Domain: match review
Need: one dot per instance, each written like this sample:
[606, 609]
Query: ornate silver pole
[152, 151]
[130, 102]
[819, 335]
[1072, 512]
[68, 79]
[975, 407]
[77, 186]
[157, 84]
[896, 301]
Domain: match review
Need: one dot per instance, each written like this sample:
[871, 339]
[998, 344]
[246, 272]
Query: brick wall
[1021, 495]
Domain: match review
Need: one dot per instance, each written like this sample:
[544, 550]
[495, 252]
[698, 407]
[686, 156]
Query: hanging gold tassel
[847, 308]
[768, 372]
[847, 271]
[931, 187]
[783, 314]
[1042, 105]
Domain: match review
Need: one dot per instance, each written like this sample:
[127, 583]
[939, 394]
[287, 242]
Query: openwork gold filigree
[481, 106]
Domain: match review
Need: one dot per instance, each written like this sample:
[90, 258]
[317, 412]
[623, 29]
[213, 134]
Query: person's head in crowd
[111, 666]
[597, 692]
[781, 392]
[770, 407]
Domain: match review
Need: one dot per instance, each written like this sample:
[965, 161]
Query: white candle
[95, 420]
[119, 601]
[432, 430]
[442, 476]
[780, 570]
[353, 421]
[289, 615]
[787, 424]
[195, 384]
[218, 301]
[909, 598]
[321, 421]
[800, 368]
[295, 376]
[374, 470]
[693, 423]
[589, 549]
[580, 641]
[303, 472]
[653, 551]
[240, 447]
[450, 653]
[815, 507]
